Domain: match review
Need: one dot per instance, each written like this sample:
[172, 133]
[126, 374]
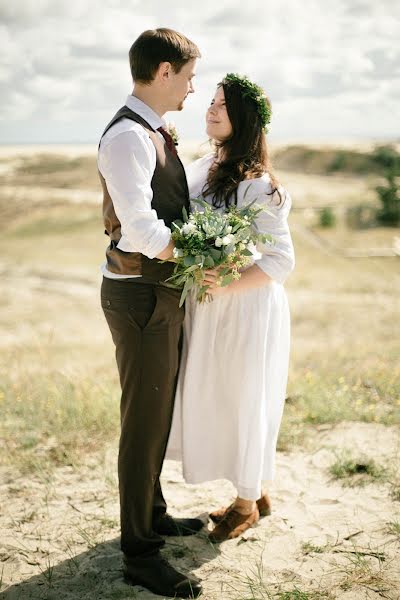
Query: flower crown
[255, 93]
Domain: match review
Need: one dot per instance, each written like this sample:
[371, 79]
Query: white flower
[171, 128]
[218, 242]
[188, 228]
[253, 249]
[228, 239]
[177, 252]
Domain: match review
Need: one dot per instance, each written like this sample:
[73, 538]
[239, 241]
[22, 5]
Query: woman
[233, 375]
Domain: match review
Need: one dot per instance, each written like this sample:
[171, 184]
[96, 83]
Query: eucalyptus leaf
[188, 285]
[192, 268]
[226, 280]
[188, 261]
[177, 225]
[201, 202]
[216, 254]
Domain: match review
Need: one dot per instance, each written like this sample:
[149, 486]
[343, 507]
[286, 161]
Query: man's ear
[164, 71]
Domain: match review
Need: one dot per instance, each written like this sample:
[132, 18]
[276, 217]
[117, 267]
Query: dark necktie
[168, 140]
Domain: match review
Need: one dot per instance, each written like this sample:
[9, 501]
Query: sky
[331, 69]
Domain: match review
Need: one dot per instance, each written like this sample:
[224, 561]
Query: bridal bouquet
[210, 239]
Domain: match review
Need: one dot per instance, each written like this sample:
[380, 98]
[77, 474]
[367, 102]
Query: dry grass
[58, 383]
[344, 355]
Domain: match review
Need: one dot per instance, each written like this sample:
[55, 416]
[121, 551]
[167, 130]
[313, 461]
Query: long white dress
[233, 375]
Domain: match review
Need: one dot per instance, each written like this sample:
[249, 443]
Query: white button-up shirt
[127, 161]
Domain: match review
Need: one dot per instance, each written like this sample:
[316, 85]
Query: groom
[144, 190]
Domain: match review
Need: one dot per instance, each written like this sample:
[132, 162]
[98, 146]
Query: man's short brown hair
[159, 45]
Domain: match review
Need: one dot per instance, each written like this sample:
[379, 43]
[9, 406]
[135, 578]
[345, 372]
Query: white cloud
[64, 67]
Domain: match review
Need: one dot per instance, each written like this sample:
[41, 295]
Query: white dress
[233, 374]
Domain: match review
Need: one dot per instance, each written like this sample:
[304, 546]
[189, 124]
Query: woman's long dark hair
[243, 155]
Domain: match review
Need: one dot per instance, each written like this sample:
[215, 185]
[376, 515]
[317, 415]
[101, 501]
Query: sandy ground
[60, 535]
[59, 531]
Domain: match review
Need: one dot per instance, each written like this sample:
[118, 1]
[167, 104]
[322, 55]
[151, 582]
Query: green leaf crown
[254, 92]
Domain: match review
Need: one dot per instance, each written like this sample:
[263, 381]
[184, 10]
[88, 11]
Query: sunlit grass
[320, 397]
[52, 419]
[343, 362]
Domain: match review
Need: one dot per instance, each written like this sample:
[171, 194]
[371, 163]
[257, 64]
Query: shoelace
[168, 140]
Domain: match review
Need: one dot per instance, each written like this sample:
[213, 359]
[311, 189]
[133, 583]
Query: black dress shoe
[157, 575]
[167, 525]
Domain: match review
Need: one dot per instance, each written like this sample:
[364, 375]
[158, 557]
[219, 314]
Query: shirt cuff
[158, 242]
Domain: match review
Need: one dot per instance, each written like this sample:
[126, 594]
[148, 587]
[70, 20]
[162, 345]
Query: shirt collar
[144, 111]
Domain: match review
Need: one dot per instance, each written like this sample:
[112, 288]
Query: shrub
[327, 217]
[388, 159]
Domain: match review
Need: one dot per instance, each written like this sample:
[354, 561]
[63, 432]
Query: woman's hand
[251, 278]
[211, 279]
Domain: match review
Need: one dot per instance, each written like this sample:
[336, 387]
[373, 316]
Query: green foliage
[388, 160]
[327, 217]
[339, 162]
[357, 471]
[389, 195]
[387, 157]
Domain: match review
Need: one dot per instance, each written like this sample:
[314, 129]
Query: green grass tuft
[357, 471]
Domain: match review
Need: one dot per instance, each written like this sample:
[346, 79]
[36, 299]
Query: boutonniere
[173, 133]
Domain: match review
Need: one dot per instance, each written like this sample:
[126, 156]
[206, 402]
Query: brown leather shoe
[232, 525]
[263, 505]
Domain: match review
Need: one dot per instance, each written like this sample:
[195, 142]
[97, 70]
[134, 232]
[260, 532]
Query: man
[145, 189]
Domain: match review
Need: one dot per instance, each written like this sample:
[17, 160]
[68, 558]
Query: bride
[233, 375]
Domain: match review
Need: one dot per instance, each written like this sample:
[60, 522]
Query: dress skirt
[231, 388]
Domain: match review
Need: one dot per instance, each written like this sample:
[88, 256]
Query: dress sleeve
[278, 259]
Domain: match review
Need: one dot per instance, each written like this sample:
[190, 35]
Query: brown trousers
[146, 324]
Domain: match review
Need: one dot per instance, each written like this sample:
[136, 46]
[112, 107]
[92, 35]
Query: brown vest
[170, 195]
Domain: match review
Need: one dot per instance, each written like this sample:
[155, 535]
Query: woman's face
[219, 127]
